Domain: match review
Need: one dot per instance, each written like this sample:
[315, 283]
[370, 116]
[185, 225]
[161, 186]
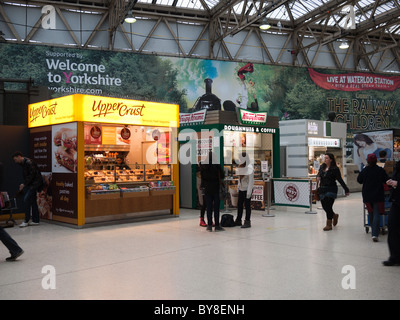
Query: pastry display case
[129, 172]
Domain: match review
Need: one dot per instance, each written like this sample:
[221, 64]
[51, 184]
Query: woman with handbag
[327, 176]
[211, 175]
[245, 172]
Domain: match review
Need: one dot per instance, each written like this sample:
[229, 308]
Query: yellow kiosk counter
[105, 158]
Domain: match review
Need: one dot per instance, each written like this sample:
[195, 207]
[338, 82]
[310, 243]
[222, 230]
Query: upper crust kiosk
[105, 158]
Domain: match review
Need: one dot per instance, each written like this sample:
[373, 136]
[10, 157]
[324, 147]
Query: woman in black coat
[373, 178]
[327, 176]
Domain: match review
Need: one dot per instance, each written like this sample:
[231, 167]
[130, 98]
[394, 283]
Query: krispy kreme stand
[228, 134]
[104, 158]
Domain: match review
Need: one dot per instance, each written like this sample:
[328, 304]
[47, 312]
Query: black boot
[246, 224]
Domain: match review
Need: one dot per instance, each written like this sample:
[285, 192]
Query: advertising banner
[372, 142]
[355, 81]
[41, 150]
[364, 101]
[55, 152]
[290, 192]
[64, 188]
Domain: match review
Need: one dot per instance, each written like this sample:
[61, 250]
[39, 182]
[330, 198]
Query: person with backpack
[32, 183]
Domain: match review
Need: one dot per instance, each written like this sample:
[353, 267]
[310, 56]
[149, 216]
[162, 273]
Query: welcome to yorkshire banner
[285, 92]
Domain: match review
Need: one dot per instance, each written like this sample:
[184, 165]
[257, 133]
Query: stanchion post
[268, 214]
[311, 198]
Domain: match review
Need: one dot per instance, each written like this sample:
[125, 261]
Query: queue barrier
[295, 192]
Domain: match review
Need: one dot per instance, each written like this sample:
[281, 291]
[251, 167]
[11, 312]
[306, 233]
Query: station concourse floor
[287, 256]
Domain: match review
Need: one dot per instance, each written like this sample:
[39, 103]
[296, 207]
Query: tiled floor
[283, 257]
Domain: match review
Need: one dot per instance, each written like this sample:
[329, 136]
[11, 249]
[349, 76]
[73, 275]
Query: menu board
[64, 190]
[41, 150]
[109, 135]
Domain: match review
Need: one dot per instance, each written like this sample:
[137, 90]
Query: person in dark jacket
[394, 219]
[211, 178]
[120, 164]
[327, 176]
[373, 178]
[32, 182]
[12, 246]
[201, 196]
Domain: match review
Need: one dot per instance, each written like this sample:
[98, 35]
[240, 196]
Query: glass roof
[187, 4]
[298, 8]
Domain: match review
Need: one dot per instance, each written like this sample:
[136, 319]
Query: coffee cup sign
[125, 133]
[156, 134]
[291, 192]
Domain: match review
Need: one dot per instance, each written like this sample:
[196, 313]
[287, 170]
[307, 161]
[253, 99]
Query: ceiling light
[264, 24]
[130, 18]
[344, 45]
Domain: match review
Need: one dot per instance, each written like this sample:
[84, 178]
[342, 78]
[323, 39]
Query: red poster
[354, 81]
[93, 134]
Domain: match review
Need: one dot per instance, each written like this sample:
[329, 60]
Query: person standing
[245, 189]
[373, 178]
[382, 158]
[201, 196]
[394, 219]
[12, 246]
[32, 182]
[120, 164]
[211, 177]
[327, 176]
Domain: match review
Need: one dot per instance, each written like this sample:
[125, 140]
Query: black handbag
[227, 220]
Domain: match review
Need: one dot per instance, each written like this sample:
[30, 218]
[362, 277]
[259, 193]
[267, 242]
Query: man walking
[12, 246]
[32, 182]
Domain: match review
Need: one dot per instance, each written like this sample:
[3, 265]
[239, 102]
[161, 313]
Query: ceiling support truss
[373, 44]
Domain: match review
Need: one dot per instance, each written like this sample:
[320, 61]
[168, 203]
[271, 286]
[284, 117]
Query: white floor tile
[283, 257]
